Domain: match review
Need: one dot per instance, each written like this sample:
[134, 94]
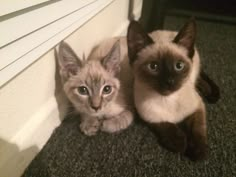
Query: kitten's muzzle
[96, 103]
[168, 87]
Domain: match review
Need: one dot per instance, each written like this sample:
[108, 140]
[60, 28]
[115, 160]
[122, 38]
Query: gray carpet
[135, 151]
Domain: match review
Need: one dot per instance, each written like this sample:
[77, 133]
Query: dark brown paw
[170, 136]
[174, 140]
[196, 152]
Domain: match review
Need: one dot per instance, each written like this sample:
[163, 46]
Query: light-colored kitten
[166, 67]
[93, 87]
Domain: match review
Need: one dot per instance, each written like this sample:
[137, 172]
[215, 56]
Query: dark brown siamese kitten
[166, 67]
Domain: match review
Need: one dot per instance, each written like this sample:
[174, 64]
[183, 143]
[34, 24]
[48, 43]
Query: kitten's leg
[207, 88]
[195, 129]
[117, 123]
[170, 136]
[89, 125]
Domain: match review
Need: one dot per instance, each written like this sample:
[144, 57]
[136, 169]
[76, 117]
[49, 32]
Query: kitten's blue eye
[153, 66]
[107, 89]
[179, 65]
[83, 90]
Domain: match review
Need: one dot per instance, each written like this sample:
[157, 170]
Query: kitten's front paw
[170, 136]
[174, 141]
[196, 151]
[118, 122]
[90, 127]
[109, 126]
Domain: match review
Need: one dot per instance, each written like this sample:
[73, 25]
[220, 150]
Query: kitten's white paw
[117, 123]
[109, 126]
[90, 127]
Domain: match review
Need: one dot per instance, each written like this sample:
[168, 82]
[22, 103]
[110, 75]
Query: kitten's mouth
[167, 90]
[96, 112]
[95, 108]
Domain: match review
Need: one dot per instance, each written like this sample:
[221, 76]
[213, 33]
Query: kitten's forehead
[160, 51]
[92, 75]
[95, 79]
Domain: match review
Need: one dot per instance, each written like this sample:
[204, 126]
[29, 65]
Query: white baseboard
[19, 152]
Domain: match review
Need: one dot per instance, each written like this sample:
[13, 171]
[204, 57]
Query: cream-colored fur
[154, 107]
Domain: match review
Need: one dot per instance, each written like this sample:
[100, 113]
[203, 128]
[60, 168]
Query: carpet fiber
[135, 152]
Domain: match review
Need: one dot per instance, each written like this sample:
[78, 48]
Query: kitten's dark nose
[170, 82]
[96, 108]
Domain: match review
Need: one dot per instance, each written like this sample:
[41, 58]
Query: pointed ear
[186, 36]
[137, 39]
[68, 61]
[111, 62]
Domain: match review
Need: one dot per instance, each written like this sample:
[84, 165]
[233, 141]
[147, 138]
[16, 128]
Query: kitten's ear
[111, 62]
[68, 61]
[186, 36]
[137, 39]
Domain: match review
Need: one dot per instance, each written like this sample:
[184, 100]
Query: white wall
[28, 106]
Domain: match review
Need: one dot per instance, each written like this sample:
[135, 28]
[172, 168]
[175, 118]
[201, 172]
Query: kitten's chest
[174, 108]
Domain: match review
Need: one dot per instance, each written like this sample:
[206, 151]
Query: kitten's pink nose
[95, 103]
